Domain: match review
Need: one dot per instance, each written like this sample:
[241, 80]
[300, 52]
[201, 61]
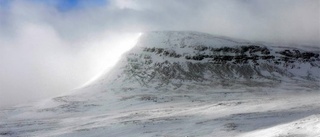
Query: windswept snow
[191, 84]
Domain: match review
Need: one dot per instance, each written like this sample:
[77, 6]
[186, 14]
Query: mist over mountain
[53, 46]
[186, 83]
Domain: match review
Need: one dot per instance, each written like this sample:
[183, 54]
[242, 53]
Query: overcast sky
[48, 47]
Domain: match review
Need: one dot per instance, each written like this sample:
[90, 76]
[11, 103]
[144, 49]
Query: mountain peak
[184, 38]
[174, 58]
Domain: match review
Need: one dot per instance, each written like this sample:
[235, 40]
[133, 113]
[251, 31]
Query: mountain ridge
[194, 56]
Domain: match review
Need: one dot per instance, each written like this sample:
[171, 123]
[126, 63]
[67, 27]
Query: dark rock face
[208, 64]
[240, 55]
[163, 52]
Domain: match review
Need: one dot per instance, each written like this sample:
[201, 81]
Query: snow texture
[186, 84]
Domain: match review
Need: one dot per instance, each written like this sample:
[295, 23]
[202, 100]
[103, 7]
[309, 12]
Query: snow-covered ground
[152, 93]
[283, 110]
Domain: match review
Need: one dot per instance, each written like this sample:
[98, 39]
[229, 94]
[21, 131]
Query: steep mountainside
[186, 84]
[175, 58]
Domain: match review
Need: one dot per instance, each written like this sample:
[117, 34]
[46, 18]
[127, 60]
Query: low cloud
[45, 51]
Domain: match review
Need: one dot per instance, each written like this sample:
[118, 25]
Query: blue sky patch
[63, 5]
[66, 5]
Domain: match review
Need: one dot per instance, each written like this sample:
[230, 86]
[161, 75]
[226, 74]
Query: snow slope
[186, 84]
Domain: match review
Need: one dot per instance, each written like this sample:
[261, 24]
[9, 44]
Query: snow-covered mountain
[173, 58]
[187, 84]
